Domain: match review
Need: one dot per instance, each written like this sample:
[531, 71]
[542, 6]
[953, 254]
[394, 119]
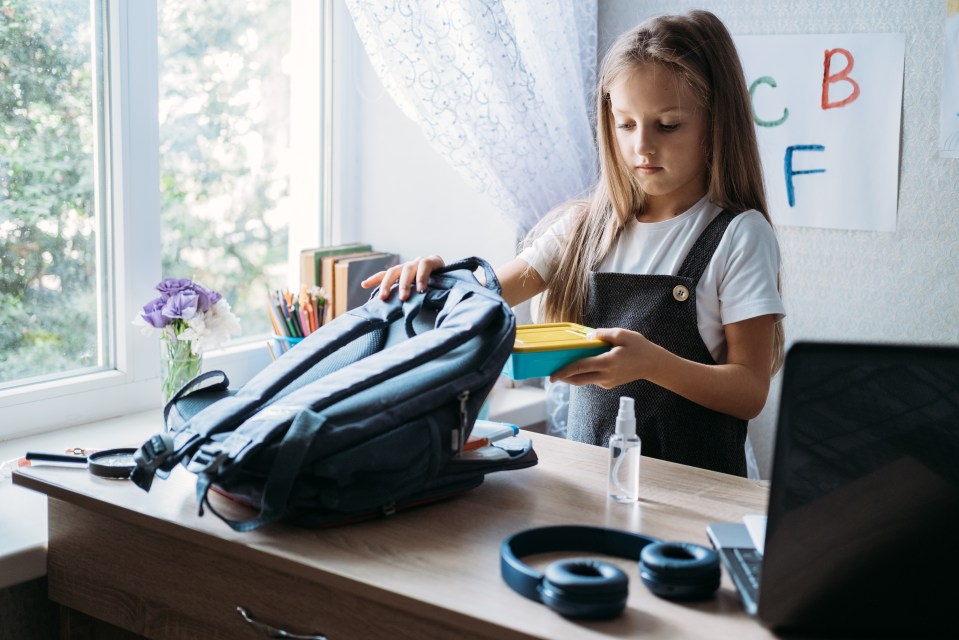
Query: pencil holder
[282, 344]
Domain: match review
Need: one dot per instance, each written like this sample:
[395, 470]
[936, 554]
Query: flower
[186, 311]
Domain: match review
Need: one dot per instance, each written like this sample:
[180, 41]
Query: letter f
[790, 172]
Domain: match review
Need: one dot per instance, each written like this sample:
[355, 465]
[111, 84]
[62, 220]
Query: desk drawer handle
[273, 632]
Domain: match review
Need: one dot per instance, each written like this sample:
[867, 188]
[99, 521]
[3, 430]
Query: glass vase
[178, 365]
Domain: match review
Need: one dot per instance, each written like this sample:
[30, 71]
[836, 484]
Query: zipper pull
[458, 436]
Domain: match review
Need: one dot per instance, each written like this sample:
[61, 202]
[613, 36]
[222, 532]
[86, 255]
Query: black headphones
[592, 589]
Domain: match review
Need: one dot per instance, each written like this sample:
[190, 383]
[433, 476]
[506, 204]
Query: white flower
[146, 328]
[212, 328]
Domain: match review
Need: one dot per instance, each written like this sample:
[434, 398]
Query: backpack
[365, 416]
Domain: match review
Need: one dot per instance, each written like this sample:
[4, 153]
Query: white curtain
[501, 89]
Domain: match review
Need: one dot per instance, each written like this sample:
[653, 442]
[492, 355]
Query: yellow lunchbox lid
[553, 336]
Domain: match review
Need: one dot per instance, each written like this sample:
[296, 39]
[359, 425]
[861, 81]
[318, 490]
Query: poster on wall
[827, 110]
[949, 118]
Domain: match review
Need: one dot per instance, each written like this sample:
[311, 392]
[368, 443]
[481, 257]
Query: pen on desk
[55, 457]
[486, 432]
[71, 455]
[476, 443]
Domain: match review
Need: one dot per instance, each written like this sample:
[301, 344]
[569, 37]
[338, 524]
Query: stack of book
[339, 270]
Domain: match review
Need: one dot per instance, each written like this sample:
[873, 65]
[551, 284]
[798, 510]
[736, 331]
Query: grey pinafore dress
[663, 309]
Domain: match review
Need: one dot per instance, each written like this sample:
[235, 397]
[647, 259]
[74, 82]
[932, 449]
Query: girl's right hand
[416, 271]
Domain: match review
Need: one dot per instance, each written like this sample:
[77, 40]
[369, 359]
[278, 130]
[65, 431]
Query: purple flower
[189, 313]
[205, 297]
[152, 314]
[173, 286]
[181, 305]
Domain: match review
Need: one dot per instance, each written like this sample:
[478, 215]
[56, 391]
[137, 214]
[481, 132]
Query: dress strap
[702, 251]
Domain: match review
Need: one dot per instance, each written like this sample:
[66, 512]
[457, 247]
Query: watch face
[112, 463]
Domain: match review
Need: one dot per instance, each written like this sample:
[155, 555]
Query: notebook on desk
[862, 534]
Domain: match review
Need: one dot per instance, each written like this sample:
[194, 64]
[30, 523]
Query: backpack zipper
[459, 435]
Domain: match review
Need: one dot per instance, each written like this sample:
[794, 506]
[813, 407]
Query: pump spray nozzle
[626, 418]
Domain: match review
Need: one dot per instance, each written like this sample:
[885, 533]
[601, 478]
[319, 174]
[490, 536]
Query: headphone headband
[526, 580]
[581, 588]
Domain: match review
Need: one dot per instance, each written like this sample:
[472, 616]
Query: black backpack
[365, 416]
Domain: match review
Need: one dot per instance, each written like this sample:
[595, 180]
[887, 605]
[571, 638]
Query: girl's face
[661, 131]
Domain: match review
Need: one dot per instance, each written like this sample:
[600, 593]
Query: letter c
[752, 91]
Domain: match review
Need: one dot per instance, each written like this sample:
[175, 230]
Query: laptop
[861, 535]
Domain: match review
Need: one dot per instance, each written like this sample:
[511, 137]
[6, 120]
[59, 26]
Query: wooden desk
[147, 563]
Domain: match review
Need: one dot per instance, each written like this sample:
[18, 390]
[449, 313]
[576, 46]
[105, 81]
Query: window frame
[124, 53]
[127, 260]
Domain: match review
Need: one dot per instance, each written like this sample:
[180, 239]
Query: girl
[675, 249]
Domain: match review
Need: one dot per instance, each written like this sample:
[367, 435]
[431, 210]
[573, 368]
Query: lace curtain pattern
[502, 90]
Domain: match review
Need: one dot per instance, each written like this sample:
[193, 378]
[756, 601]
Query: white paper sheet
[827, 109]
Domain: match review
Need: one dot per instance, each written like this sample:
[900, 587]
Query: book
[349, 272]
[311, 260]
[327, 280]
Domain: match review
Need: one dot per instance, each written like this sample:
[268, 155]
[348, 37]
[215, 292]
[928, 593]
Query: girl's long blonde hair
[698, 49]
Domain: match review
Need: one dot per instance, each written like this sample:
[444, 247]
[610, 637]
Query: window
[48, 226]
[109, 184]
[225, 169]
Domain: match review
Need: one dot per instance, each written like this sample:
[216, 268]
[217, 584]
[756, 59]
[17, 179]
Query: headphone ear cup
[584, 588]
[680, 570]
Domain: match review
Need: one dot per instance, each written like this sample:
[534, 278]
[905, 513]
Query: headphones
[592, 589]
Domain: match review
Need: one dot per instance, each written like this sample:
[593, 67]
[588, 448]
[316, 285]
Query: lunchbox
[541, 349]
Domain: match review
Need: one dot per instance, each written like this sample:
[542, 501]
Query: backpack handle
[472, 264]
[187, 388]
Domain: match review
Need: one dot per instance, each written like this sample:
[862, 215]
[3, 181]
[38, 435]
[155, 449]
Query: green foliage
[224, 106]
[47, 222]
[223, 127]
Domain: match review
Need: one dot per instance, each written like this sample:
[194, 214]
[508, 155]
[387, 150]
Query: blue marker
[790, 189]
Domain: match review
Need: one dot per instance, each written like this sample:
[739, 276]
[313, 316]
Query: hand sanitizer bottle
[624, 454]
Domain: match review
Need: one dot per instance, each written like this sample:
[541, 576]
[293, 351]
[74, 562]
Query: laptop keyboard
[744, 567]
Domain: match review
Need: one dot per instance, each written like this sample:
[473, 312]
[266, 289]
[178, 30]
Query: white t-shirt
[740, 282]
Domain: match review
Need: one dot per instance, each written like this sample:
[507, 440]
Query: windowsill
[23, 537]
[23, 534]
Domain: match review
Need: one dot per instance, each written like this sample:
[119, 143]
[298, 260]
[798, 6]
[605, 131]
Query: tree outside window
[224, 170]
[224, 141]
[48, 226]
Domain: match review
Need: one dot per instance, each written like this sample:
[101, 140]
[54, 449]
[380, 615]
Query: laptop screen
[863, 519]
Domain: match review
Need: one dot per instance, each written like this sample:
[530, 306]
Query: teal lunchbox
[541, 349]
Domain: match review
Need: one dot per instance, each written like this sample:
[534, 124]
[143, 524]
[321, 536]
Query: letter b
[828, 79]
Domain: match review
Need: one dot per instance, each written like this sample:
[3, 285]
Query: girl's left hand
[632, 357]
